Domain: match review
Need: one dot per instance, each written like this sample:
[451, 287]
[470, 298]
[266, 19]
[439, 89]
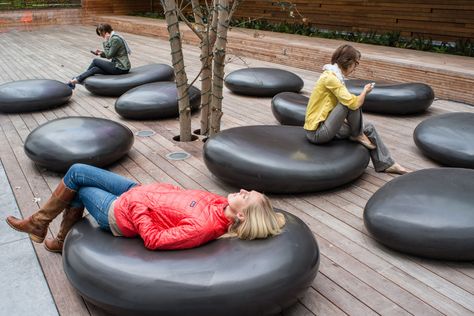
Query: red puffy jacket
[168, 217]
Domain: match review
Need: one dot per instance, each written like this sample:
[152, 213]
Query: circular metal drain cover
[145, 133]
[178, 155]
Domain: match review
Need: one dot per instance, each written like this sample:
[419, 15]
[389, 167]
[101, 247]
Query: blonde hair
[261, 221]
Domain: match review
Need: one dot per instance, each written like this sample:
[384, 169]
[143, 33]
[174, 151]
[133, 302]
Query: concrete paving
[23, 289]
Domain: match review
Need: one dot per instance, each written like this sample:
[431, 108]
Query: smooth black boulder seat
[224, 277]
[289, 108]
[116, 85]
[429, 213]
[448, 139]
[263, 82]
[395, 99]
[155, 100]
[33, 95]
[62, 142]
[279, 159]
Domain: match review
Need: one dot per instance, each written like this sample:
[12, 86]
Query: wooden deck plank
[297, 309]
[340, 297]
[350, 256]
[357, 275]
[320, 305]
[362, 249]
[358, 288]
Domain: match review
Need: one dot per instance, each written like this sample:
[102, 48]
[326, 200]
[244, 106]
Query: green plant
[464, 47]
[36, 4]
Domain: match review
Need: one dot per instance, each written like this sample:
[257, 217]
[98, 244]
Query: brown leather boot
[70, 217]
[37, 224]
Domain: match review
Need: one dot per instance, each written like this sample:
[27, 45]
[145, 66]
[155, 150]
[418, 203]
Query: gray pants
[343, 123]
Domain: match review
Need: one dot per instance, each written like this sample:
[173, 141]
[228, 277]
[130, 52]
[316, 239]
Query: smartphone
[93, 52]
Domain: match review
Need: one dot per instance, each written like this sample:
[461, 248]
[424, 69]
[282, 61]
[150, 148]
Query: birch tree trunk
[171, 16]
[207, 33]
[224, 13]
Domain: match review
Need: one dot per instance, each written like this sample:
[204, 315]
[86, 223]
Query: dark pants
[343, 123]
[102, 67]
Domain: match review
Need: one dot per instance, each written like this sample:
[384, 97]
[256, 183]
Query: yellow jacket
[328, 92]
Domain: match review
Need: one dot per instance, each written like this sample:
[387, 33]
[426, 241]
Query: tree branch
[190, 25]
[235, 4]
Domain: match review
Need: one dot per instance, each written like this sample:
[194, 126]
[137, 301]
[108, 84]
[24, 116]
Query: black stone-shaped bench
[279, 159]
[428, 213]
[395, 99]
[62, 142]
[263, 82]
[448, 139]
[33, 95]
[289, 108]
[154, 101]
[224, 277]
[116, 85]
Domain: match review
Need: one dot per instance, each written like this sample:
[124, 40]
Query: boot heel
[54, 245]
[36, 239]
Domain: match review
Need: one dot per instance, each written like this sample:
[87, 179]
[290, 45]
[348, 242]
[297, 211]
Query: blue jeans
[100, 66]
[96, 190]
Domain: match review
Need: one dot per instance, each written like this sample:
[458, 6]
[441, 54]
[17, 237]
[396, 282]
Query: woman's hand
[368, 87]
[98, 52]
[360, 100]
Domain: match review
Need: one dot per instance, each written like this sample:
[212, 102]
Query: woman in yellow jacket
[333, 112]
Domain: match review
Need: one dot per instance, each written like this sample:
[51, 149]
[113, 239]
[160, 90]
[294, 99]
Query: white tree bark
[213, 36]
[171, 16]
[205, 30]
[224, 12]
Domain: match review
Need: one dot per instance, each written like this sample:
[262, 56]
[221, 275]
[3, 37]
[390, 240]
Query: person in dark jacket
[115, 48]
[163, 215]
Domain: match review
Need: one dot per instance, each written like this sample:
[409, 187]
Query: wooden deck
[357, 276]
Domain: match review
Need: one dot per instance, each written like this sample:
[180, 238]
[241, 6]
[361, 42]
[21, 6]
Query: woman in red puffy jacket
[163, 215]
